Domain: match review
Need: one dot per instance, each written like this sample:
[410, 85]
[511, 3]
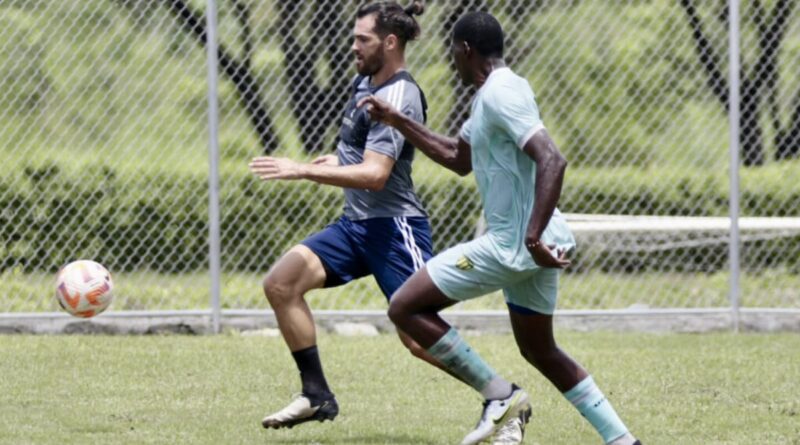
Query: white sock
[497, 388]
[626, 439]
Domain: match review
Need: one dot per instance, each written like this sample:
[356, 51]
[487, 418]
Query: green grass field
[670, 389]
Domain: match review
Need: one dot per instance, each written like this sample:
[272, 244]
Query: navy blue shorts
[390, 249]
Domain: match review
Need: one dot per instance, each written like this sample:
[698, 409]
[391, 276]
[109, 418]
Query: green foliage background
[103, 131]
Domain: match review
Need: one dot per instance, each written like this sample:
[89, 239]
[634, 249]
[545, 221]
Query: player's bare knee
[396, 313]
[393, 314]
[277, 291]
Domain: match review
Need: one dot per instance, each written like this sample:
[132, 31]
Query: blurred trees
[627, 83]
[759, 76]
[237, 69]
[316, 104]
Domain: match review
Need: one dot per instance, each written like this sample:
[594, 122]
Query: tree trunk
[751, 138]
[716, 81]
[315, 107]
[239, 73]
[787, 141]
[462, 93]
[763, 77]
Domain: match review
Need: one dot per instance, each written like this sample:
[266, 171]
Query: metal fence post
[733, 116]
[213, 163]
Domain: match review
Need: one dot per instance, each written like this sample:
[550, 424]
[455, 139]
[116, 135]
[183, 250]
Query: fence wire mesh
[103, 130]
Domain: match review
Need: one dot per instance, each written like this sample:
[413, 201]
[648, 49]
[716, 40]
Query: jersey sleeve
[382, 138]
[514, 110]
[466, 130]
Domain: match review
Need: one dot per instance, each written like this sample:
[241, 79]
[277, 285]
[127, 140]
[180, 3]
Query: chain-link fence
[104, 135]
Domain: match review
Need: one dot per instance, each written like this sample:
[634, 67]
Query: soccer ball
[84, 288]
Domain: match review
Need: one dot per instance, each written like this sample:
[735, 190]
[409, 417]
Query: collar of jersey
[378, 87]
[494, 71]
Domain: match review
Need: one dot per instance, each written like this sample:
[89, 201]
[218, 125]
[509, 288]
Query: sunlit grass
[687, 389]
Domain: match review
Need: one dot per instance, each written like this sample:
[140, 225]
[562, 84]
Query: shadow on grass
[371, 439]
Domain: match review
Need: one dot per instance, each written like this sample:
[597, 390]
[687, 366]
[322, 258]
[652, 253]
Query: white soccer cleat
[513, 431]
[299, 411]
[626, 439]
[495, 414]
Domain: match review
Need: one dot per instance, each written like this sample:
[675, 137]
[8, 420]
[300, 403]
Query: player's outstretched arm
[452, 153]
[550, 168]
[371, 174]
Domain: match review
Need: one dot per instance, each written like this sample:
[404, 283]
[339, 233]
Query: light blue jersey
[504, 117]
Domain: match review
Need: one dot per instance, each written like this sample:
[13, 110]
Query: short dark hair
[481, 31]
[391, 18]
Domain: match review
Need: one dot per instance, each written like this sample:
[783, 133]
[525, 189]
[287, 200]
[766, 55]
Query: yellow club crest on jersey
[464, 263]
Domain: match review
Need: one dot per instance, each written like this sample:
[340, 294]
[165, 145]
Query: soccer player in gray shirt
[384, 231]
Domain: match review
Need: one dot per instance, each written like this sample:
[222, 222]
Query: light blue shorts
[472, 269]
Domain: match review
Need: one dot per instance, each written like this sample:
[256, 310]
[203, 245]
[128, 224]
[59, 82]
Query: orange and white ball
[84, 288]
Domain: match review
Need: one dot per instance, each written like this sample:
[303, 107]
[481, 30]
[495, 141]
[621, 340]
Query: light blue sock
[456, 355]
[592, 405]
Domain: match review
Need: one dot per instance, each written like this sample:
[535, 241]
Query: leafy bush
[159, 221]
[672, 191]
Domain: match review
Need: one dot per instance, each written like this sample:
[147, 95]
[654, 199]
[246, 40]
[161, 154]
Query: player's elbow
[376, 182]
[457, 164]
[562, 162]
[557, 161]
[462, 170]
[376, 187]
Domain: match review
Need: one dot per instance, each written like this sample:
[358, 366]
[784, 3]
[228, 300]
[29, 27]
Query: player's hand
[267, 167]
[380, 110]
[547, 256]
[331, 160]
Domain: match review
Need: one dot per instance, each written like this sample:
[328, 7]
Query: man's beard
[370, 66]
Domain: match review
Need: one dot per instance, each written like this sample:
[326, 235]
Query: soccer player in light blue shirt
[519, 172]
